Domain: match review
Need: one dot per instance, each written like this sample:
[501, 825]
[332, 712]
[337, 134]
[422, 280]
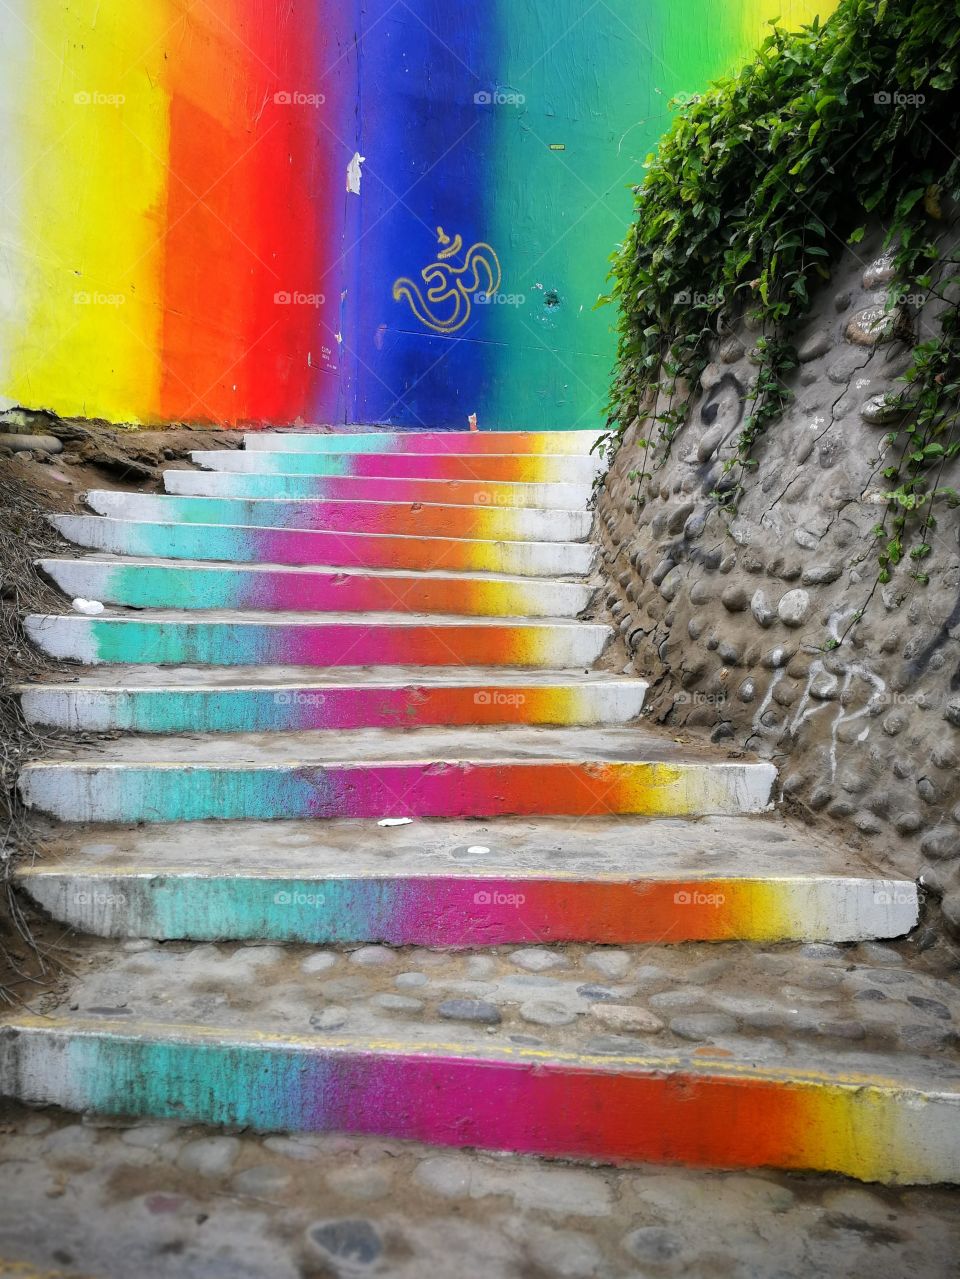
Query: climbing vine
[754, 192]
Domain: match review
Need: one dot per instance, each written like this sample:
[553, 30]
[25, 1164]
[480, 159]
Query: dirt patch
[34, 482]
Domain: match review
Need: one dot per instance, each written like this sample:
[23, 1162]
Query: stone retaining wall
[750, 629]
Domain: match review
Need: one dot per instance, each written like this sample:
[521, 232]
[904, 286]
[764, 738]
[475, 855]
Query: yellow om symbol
[451, 287]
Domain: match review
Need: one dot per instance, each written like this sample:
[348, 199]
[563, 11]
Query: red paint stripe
[250, 213]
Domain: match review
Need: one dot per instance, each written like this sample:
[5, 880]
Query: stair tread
[248, 617]
[501, 494]
[211, 677]
[511, 745]
[737, 846]
[70, 521]
[165, 993]
[556, 443]
[167, 500]
[310, 570]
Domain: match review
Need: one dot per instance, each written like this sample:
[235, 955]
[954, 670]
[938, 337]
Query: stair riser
[175, 643]
[661, 1111]
[471, 443]
[225, 710]
[332, 550]
[472, 910]
[514, 470]
[175, 793]
[483, 495]
[381, 519]
[265, 590]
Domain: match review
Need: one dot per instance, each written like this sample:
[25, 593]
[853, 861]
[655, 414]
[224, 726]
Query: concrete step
[557, 443]
[333, 550]
[375, 639]
[486, 494]
[467, 883]
[265, 588]
[279, 699]
[385, 773]
[877, 1118]
[404, 519]
[529, 469]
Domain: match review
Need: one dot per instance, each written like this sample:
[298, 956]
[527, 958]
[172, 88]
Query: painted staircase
[353, 696]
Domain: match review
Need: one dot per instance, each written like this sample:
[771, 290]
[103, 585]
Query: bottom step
[723, 1112]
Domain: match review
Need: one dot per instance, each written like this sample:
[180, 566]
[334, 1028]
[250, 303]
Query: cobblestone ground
[108, 1201]
[98, 1199]
[787, 1001]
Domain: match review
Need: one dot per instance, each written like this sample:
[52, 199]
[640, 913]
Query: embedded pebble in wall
[794, 608]
[763, 614]
[816, 346]
[821, 574]
[734, 598]
[731, 350]
[869, 327]
[710, 442]
[880, 272]
[881, 410]
[845, 366]
[671, 584]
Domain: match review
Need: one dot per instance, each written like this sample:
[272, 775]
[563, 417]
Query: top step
[558, 443]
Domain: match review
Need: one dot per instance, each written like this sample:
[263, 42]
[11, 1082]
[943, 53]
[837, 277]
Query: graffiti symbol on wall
[451, 289]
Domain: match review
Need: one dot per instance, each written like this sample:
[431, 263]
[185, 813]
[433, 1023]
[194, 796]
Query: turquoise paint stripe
[306, 910]
[220, 1084]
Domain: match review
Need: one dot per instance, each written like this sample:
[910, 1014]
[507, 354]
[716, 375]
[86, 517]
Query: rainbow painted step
[284, 706]
[900, 1126]
[485, 494]
[397, 519]
[293, 640]
[374, 775]
[405, 888]
[514, 468]
[556, 443]
[207, 586]
[332, 550]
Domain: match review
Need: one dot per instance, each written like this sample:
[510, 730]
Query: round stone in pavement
[626, 1017]
[360, 1183]
[260, 1180]
[653, 1244]
[537, 960]
[349, 1242]
[611, 963]
[821, 950]
[410, 980]
[477, 1010]
[209, 1156]
[703, 1025]
[871, 952]
[372, 956]
[329, 1019]
[398, 1003]
[318, 963]
[544, 1012]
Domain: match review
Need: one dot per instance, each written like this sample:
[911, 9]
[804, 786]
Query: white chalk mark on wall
[353, 173]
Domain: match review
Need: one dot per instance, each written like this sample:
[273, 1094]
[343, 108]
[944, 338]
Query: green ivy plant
[753, 194]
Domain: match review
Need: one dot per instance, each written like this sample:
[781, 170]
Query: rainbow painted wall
[189, 235]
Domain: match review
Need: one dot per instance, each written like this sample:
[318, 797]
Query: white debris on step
[89, 607]
[395, 821]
